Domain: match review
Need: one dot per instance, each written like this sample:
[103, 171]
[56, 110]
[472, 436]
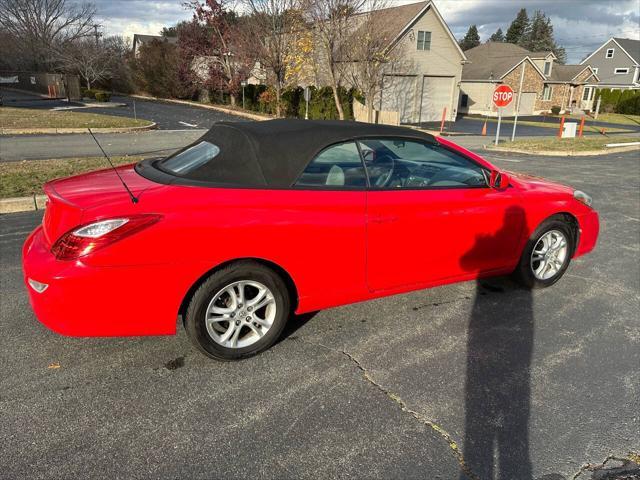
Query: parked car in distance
[257, 221]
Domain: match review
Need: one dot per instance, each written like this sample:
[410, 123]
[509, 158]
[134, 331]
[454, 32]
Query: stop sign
[502, 96]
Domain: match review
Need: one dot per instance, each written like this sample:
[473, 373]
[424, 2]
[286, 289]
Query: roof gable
[630, 47]
[494, 60]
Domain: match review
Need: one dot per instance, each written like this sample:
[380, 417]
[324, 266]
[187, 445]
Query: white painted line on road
[188, 124]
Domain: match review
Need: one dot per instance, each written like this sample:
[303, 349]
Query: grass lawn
[36, 118]
[566, 144]
[20, 179]
[619, 118]
[554, 122]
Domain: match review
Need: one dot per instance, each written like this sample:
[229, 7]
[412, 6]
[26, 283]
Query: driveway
[168, 116]
[527, 384]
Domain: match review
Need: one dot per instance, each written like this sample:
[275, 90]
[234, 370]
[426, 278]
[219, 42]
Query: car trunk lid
[69, 198]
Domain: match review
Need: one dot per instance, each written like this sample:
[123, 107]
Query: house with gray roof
[139, 40]
[536, 77]
[617, 63]
[424, 85]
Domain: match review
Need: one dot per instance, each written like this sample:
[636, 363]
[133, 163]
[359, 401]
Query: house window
[547, 92]
[464, 103]
[610, 52]
[595, 70]
[547, 68]
[424, 40]
[588, 94]
[621, 71]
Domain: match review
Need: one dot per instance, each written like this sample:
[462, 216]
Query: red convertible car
[257, 221]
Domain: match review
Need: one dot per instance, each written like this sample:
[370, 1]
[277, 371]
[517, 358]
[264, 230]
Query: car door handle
[385, 219]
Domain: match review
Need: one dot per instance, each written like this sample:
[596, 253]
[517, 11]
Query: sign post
[244, 84]
[518, 102]
[502, 96]
[307, 97]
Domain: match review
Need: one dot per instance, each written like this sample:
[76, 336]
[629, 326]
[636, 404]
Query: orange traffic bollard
[561, 127]
[581, 127]
[484, 129]
[444, 117]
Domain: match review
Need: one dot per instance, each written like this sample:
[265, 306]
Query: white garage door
[526, 105]
[399, 95]
[436, 95]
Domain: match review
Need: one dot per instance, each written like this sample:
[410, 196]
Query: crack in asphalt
[631, 458]
[446, 436]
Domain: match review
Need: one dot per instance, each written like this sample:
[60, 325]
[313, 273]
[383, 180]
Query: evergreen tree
[471, 39]
[540, 37]
[519, 28]
[497, 37]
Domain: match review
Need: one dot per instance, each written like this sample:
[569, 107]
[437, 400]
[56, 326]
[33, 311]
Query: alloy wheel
[240, 314]
[549, 255]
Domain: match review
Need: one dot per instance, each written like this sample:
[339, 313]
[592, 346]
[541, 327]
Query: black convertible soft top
[274, 153]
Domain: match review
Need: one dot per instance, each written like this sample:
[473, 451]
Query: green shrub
[626, 102]
[88, 93]
[102, 96]
[555, 110]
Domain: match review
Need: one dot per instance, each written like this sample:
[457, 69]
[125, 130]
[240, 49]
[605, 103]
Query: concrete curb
[229, 111]
[22, 204]
[61, 131]
[559, 153]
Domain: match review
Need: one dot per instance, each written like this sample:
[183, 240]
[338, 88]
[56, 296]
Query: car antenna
[134, 199]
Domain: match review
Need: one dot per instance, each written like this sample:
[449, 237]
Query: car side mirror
[498, 180]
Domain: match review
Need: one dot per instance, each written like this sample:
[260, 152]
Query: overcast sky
[579, 25]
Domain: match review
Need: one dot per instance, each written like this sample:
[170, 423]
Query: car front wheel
[546, 256]
[239, 311]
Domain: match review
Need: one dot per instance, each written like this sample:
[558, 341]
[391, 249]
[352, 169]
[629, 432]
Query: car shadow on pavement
[499, 349]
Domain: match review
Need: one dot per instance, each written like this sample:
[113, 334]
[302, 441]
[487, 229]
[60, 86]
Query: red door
[424, 236]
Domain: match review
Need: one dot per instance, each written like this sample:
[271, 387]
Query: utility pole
[96, 33]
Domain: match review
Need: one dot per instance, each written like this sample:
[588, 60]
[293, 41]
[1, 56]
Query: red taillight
[87, 238]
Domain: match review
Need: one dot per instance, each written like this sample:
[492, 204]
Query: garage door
[399, 95]
[436, 95]
[526, 105]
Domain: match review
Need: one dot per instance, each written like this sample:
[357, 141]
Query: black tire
[524, 272]
[194, 320]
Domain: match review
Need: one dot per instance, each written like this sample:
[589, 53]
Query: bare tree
[91, 60]
[332, 23]
[43, 25]
[373, 51]
[273, 24]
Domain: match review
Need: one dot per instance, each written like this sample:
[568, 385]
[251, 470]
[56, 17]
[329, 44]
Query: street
[380, 389]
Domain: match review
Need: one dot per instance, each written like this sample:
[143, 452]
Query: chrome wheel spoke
[227, 335]
[258, 331]
[267, 300]
[234, 338]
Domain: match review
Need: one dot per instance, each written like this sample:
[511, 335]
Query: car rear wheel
[546, 256]
[239, 311]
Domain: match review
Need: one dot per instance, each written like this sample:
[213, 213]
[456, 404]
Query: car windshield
[190, 159]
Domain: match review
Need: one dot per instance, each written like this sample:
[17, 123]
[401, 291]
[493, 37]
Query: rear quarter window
[194, 157]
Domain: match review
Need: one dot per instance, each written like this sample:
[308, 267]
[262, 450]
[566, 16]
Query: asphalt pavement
[36, 147]
[473, 126]
[521, 385]
[168, 116]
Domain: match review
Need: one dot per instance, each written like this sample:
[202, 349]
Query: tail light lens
[88, 238]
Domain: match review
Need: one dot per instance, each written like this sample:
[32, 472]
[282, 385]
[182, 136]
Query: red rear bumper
[83, 300]
[589, 230]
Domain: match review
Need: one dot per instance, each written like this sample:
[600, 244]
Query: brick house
[545, 83]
